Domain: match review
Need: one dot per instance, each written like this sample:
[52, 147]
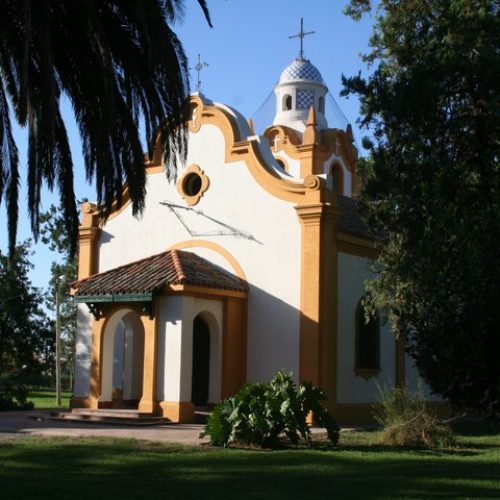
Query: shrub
[407, 420]
[13, 394]
[260, 413]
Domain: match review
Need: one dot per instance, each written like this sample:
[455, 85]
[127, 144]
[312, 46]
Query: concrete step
[110, 417]
[111, 412]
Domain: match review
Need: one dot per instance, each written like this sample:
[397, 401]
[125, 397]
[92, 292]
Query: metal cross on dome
[198, 67]
[301, 34]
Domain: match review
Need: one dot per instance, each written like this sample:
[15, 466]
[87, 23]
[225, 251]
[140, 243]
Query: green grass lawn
[357, 469]
[47, 399]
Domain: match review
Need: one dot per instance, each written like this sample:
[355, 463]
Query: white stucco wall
[353, 272]
[83, 351]
[120, 356]
[270, 260]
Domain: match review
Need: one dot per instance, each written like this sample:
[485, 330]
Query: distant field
[357, 468]
[47, 399]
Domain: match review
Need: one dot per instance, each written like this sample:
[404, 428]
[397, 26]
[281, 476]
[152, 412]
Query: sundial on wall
[199, 224]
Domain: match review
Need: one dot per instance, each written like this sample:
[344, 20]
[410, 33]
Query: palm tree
[119, 63]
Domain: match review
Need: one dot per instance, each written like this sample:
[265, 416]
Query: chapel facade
[253, 261]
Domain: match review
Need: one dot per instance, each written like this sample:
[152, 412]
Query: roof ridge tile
[178, 266]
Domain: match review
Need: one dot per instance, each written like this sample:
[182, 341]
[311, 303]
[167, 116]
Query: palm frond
[120, 64]
[9, 168]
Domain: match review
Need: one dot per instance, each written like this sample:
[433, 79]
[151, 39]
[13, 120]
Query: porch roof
[139, 280]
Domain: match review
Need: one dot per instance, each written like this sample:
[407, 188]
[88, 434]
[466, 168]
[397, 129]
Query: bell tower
[300, 86]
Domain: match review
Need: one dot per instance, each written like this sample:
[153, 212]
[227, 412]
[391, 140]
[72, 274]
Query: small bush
[260, 413]
[407, 420]
[13, 394]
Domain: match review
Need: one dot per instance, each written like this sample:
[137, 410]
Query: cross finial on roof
[301, 34]
[198, 67]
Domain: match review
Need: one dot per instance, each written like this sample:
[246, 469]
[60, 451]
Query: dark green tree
[432, 186]
[120, 64]
[26, 334]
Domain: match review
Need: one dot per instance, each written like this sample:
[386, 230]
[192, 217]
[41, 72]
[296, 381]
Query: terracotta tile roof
[351, 220]
[173, 267]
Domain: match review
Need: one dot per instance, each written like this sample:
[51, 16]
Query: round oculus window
[192, 184]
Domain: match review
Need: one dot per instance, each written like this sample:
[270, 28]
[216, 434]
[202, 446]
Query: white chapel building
[252, 262]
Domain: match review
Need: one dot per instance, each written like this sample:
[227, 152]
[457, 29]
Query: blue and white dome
[299, 88]
[300, 69]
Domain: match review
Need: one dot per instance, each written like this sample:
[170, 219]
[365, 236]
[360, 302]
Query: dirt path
[35, 423]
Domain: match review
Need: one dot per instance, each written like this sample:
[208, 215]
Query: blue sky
[246, 50]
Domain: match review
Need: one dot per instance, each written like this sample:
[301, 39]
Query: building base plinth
[178, 411]
[82, 402]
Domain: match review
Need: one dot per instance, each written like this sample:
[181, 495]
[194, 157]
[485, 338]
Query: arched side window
[367, 356]
[321, 104]
[287, 102]
[338, 177]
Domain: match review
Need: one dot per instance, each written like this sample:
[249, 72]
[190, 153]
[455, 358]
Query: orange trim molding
[203, 291]
[234, 346]
[192, 199]
[318, 302]
[88, 233]
[210, 245]
[178, 411]
[326, 143]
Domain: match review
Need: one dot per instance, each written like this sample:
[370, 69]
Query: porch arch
[125, 322]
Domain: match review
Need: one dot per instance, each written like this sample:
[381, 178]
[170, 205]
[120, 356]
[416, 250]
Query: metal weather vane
[301, 34]
[198, 67]
[223, 229]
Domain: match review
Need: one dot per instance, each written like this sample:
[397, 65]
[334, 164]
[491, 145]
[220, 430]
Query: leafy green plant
[13, 393]
[260, 413]
[407, 420]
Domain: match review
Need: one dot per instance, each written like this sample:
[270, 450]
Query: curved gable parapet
[204, 111]
[283, 138]
[333, 142]
[312, 189]
[241, 122]
[340, 142]
[239, 146]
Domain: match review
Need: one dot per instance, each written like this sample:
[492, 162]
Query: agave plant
[259, 414]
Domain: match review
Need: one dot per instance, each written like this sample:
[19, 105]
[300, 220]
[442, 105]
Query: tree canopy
[432, 186]
[120, 64]
[26, 333]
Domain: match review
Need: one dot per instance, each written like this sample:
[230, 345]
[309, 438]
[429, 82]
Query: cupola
[300, 86]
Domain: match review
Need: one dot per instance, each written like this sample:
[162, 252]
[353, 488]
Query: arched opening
[287, 102]
[200, 381]
[122, 361]
[321, 104]
[337, 178]
[367, 340]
